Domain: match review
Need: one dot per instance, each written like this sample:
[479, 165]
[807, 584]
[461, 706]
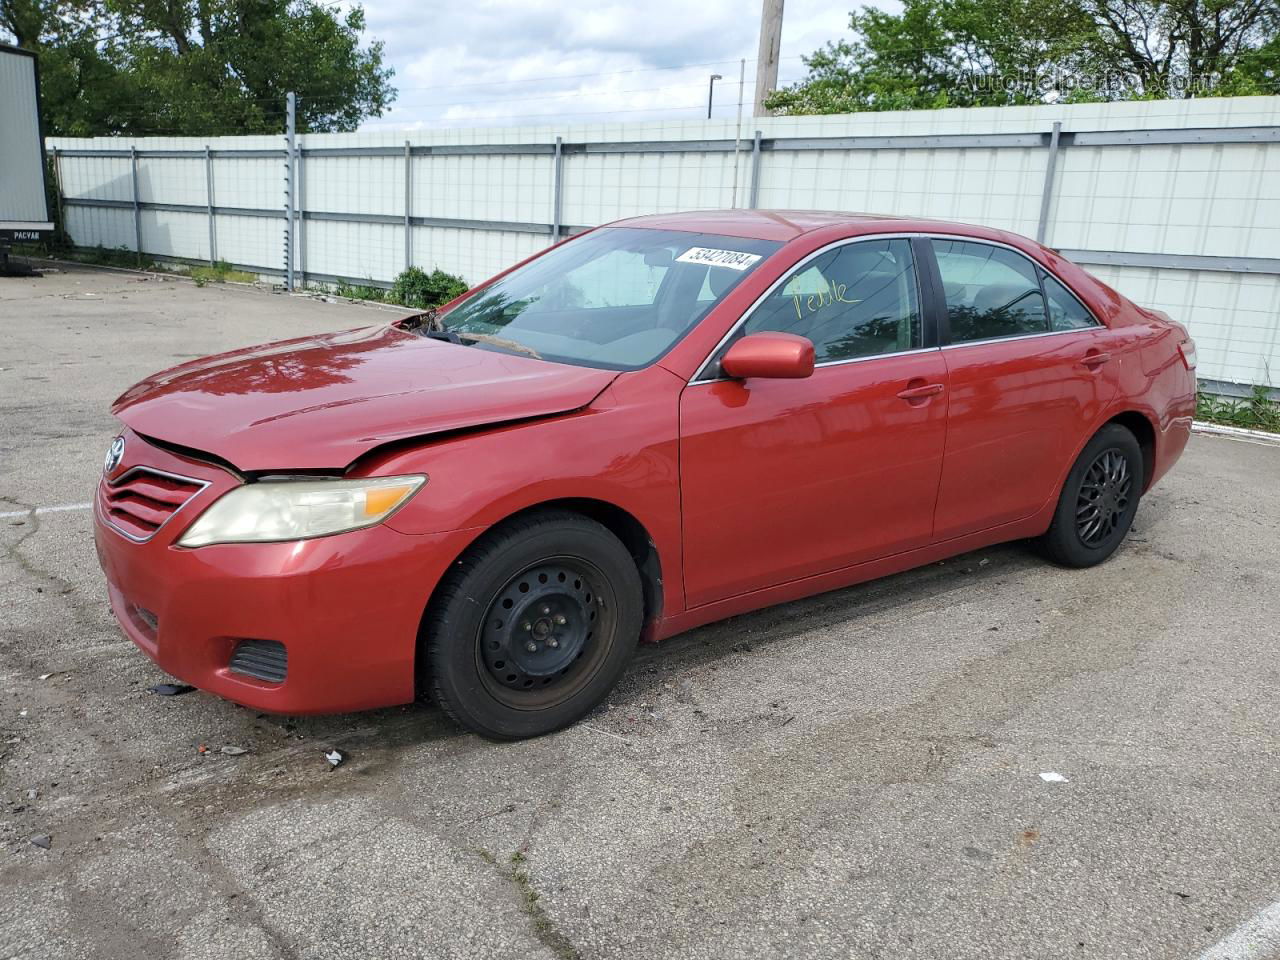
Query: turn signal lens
[276, 510]
[1188, 350]
[379, 501]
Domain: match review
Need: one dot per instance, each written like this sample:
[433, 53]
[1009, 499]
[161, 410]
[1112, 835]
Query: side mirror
[774, 356]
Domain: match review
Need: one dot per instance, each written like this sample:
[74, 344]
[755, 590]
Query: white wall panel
[1220, 200]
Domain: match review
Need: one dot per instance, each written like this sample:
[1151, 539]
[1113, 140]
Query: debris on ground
[46, 676]
[171, 689]
[1049, 776]
[334, 757]
[32, 793]
[43, 841]
[202, 749]
[234, 751]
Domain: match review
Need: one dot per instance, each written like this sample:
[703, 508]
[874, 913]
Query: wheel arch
[618, 521]
[1144, 432]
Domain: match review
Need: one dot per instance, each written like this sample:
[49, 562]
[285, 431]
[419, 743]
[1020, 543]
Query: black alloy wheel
[1103, 497]
[1098, 501]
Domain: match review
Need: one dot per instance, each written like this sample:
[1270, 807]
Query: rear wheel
[1098, 501]
[534, 626]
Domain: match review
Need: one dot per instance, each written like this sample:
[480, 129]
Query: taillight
[1188, 350]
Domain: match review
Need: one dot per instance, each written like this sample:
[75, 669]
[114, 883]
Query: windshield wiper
[429, 324]
[446, 335]
[501, 342]
[426, 322]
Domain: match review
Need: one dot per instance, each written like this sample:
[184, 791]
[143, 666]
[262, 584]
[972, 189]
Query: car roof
[785, 225]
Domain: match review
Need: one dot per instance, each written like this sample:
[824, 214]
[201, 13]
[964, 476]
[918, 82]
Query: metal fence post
[408, 199]
[557, 191]
[290, 111]
[755, 172]
[137, 207]
[300, 218]
[57, 192]
[1046, 194]
[208, 197]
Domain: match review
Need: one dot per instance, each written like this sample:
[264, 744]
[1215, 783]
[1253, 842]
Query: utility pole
[291, 105]
[737, 137]
[711, 92]
[767, 58]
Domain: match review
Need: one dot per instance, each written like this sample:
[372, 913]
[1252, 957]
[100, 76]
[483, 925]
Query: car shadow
[655, 664]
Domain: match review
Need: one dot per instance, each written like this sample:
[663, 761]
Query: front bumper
[346, 608]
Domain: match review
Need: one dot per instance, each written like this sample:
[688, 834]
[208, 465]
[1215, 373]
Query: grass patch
[220, 272]
[1258, 411]
[543, 928]
[361, 291]
[101, 256]
[412, 288]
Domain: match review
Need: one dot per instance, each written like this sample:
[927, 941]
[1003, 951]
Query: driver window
[856, 300]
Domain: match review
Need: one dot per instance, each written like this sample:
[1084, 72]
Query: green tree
[940, 53]
[199, 67]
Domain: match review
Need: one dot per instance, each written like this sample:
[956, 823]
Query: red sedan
[656, 424]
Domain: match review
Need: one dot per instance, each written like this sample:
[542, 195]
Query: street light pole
[711, 91]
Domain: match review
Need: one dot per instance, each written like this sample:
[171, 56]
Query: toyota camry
[650, 426]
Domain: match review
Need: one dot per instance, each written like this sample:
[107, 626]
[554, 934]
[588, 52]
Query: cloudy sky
[507, 62]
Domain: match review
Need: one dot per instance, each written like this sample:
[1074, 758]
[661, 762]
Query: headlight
[277, 510]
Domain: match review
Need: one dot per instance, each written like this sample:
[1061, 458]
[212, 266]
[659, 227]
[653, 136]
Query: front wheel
[1098, 501]
[534, 626]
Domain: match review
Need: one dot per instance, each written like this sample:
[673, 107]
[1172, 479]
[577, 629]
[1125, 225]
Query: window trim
[928, 329]
[1043, 273]
[1040, 270]
[936, 326]
[477, 292]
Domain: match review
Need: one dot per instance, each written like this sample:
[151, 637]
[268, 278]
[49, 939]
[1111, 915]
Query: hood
[321, 402]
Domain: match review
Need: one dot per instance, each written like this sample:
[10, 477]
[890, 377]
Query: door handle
[1094, 360]
[921, 392]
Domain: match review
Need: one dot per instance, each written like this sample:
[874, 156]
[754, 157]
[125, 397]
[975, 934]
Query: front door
[784, 479]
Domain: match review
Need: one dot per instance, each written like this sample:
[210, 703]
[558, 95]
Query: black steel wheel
[537, 642]
[1098, 500]
[532, 628]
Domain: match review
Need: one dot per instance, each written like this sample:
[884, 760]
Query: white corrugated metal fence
[1175, 203]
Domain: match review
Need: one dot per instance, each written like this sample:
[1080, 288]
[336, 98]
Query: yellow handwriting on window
[829, 293]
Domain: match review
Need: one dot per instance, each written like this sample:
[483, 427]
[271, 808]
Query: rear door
[783, 479]
[1030, 371]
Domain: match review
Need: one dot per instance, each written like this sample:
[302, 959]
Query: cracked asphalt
[856, 775]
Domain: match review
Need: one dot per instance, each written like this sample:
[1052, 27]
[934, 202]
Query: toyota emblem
[114, 455]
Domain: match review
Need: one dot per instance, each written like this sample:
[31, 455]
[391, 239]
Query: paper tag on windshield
[707, 256]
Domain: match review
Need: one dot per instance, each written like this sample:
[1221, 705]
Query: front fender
[621, 450]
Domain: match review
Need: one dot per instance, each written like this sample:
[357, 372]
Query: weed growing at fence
[101, 256]
[360, 291]
[417, 288]
[220, 272]
[1258, 411]
[414, 287]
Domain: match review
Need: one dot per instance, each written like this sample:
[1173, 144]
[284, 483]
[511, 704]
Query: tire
[533, 627]
[1098, 500]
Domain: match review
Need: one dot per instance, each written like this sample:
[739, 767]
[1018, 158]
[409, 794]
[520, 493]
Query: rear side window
[1065, 311]
[991, 292]
[856, 300]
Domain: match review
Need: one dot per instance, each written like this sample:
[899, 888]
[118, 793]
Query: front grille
[139, 502]
[264, 659]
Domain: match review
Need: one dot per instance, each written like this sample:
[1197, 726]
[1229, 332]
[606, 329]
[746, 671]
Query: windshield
[617, 298]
